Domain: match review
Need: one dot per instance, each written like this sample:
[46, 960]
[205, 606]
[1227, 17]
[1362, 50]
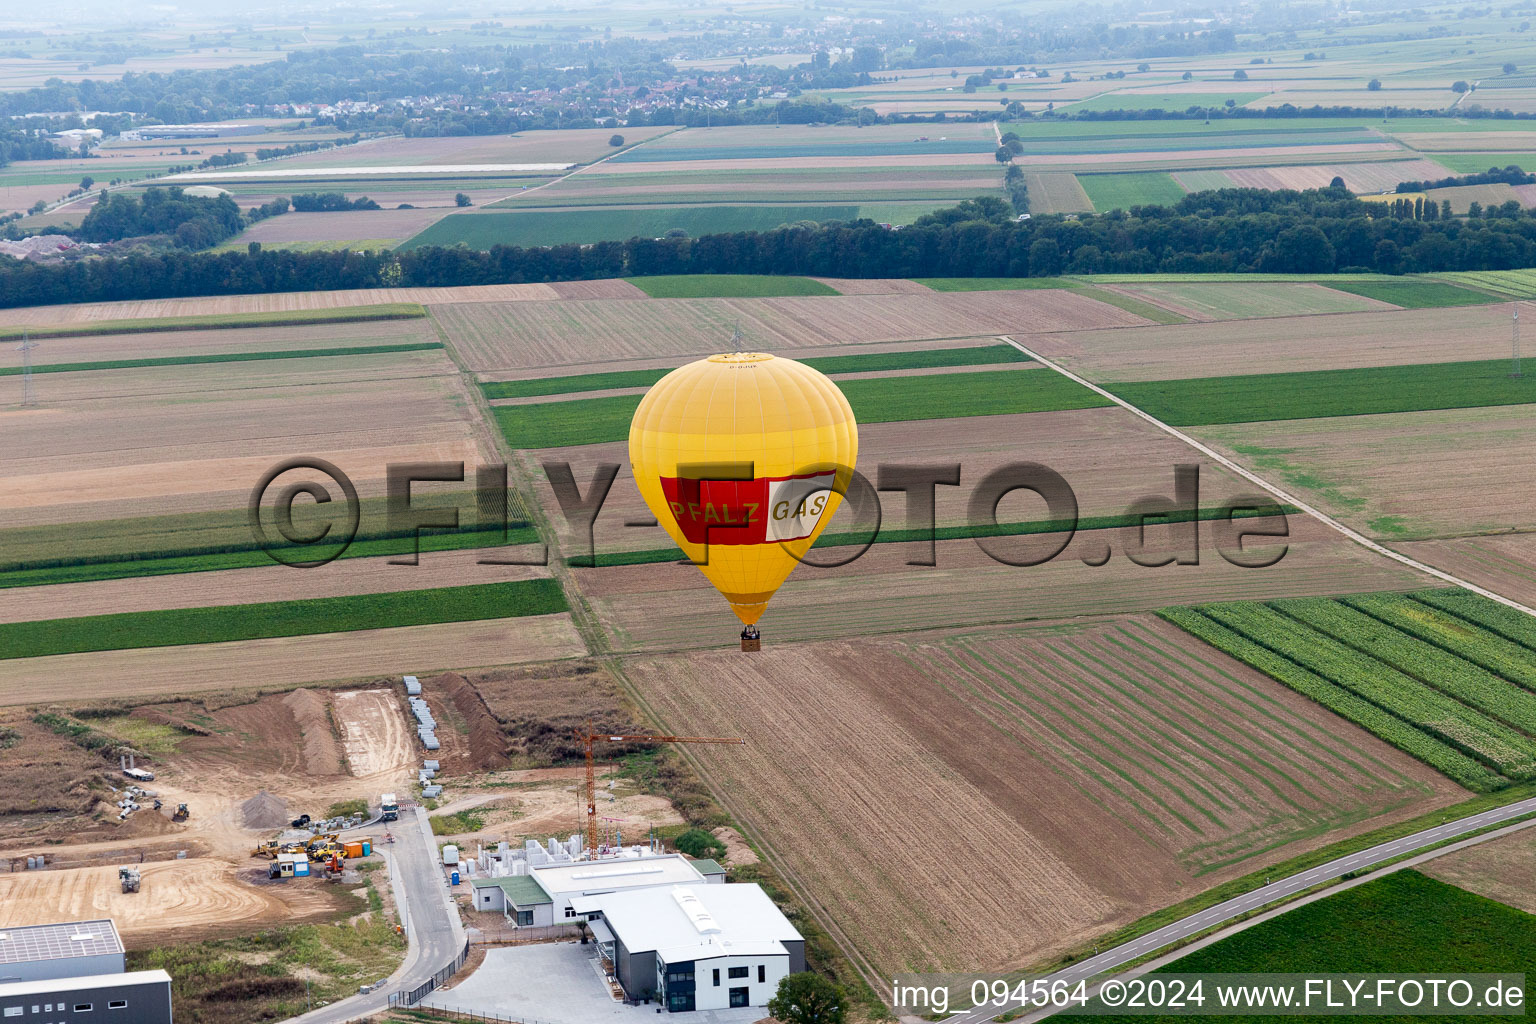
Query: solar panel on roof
[58, 941]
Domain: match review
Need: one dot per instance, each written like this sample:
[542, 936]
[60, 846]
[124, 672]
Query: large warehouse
[543, 896]
[71, 971]
[695, 946]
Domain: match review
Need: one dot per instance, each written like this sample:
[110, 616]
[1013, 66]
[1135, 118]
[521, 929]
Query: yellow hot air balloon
[744, 458]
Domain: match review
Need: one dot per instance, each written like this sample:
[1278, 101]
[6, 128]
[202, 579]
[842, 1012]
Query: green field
[175, 627]
[528, 228]
[1259, 397]
[1473, 163]
[978, 355]
[728, 286]
[1516, 284]
[282, 318]
[1401, 923]
[1121, 191]
[881, 400]
[989, 284]
[225, 357]
[1162, 101]
[1425, 672]
[1415, 294]
[1236, 302]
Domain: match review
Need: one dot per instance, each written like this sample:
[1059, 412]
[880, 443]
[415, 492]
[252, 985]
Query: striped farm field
[879, 400]
[220, 321]
[1442, 674]
[1359, 177]
[1057, 192]
[529, 228]
[510, 336]
[975, 355]
[1141, 767]
[1515, 284]
[1242, 301]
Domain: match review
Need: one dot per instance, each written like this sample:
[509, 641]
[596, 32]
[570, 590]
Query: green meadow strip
[64, 569]
[220, 321]
[608, 559]
[882, 400]
[1414, 294]
[978, 355]
[729, 286]
[1260, 397]
[225, 357]
[176, 627]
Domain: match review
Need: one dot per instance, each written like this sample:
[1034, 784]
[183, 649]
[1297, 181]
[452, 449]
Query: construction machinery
[322, 847]
[129, 879]
[587, 738]
[182, 813]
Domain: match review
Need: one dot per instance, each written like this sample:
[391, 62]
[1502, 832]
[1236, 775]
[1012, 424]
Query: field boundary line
[1283, 495]
[577, 170]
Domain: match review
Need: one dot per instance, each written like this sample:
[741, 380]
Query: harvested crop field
[1358, 177]
[397, 225]
[163, 344]
[667, 605]
[180, 900]
[1502, 869]
[1505, 563]
[1281, 344]
[271, 582]
[1402, 475]
[1057, 193]
[910, 760]
[289, 661]
[184, 438]
[874, 286]
[272, 302]
[1242, 301]
[1109, 457]
[567, 147]
[499, 337]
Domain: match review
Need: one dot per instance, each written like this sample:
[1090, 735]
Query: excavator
[271, 848]
[323, 847]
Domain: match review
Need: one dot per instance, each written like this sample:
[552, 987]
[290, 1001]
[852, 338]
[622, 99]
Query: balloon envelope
[744, 458]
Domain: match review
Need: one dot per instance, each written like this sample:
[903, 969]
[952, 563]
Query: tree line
[1230, 230]
[1511, 175]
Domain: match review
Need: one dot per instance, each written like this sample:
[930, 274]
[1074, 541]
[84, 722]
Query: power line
[28, 392]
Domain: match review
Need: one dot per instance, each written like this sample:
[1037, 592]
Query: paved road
[432, 925]
[1239, 905]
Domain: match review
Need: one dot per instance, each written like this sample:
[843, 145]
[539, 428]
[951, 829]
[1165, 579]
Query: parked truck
[389, 808]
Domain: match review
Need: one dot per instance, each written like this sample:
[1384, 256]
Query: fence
[429, 986]
[450, 1013]
[493, 935]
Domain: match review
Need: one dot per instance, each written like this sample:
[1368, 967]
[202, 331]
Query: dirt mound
[312, 712]
[487, 746]
[540, 707]
[737, 852]
[264, 811]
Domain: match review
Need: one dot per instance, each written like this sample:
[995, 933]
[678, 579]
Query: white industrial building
[70, 970]
[567, 882]
[539, 892]
[694, 946]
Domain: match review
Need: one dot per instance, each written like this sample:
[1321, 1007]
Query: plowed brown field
[288, 661]
[1502, 869]
[1408, 474]
[1283, 344]
[198, 897]
[1505, 564]
[984, 800]
[248, 339]
[493, 337]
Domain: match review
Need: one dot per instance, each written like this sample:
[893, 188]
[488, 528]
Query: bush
[807, 998]
[698, 843]
[460, 199]
[617, 140]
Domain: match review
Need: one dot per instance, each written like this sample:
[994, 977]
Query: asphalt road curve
[432, 926]
[1250, 901]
